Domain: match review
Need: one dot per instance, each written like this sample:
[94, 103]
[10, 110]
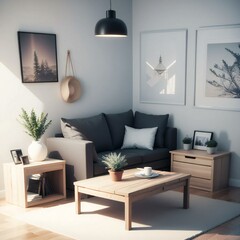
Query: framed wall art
[200, 138]
[163, 66]
[218, 68]
[38, 57]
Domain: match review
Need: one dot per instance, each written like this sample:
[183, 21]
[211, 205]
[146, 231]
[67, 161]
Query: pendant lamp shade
[110, 26]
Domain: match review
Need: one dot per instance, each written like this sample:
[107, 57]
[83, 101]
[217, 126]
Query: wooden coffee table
[131, 189]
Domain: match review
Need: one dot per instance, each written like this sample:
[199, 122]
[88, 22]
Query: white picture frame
[167, 87]
[213, 91]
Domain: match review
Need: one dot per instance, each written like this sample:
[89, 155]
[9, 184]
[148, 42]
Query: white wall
[104, 66]
[190, 14]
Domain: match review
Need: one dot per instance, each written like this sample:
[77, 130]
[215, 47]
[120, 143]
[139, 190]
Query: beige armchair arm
[78, 153]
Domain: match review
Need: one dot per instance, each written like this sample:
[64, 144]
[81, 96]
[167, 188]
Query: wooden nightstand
[209, 171]
[16, 179]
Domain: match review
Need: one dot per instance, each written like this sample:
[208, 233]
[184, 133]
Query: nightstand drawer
[201, 183]
[192, 159]
[194, 170]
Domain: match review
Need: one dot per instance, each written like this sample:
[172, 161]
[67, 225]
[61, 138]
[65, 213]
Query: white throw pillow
[139, 138]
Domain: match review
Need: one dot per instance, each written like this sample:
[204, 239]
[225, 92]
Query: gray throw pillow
[139, 138]
[93, 128]
[143, 120]
[116, 124]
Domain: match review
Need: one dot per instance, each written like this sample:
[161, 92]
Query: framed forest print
[38, 57]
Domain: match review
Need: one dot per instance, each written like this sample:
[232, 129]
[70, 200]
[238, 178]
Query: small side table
[209, 171]
[16, 178]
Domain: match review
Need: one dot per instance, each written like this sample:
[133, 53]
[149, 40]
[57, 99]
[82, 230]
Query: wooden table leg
[77, 200]
[186, 194]
[128, 213]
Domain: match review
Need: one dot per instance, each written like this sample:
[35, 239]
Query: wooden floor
[11, 228]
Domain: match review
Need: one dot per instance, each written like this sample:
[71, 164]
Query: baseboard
[2, 194]
[234, 182]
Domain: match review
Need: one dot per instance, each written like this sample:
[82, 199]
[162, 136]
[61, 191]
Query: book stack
[33, 196]
[34, 187]
[38, 187]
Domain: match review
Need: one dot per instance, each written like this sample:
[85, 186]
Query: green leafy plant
[114, 161]
[35, 126]
[211, 143]
[187, 140]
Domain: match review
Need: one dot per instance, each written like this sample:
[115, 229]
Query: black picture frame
[16, 154]
[200, 138]
[38, 57]
[24, 159]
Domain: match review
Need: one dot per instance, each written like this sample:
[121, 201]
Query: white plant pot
[211, 150]
[37, 151]
[187, 146]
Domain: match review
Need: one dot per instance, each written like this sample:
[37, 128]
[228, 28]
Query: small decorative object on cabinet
[211, 146]
[115, 163]
[187, 141]
[208, 172]
[22, 182]
[35, 128]
[16, 155]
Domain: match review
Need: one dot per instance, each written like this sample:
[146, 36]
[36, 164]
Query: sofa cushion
[139, 138]
[143, 120]
[156, 154]
[93, 128]
[116, 124]
[133, 155]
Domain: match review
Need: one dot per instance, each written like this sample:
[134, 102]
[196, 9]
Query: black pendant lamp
[110, 26]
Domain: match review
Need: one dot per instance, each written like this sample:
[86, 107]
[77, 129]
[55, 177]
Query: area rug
[157, 217]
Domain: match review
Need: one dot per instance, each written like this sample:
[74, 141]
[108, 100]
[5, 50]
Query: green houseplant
[35, 126]
[187, 141]
[115, 163]
[211, 146]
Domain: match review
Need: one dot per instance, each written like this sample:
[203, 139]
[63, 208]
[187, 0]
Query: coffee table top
[131, 184]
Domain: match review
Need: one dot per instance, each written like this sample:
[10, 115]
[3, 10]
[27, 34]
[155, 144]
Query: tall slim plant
[35, 126]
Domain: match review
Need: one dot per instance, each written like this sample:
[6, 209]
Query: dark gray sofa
[86, 140]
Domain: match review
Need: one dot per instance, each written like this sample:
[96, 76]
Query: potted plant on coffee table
[115, 163]
[187, 141]
[211, 146]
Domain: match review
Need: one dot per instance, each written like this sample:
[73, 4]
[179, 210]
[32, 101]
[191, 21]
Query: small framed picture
[24, 160]
[16, 154]
[200, 139]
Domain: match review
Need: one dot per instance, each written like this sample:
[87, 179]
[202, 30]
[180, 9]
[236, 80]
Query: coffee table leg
[77, 200]
[128, 213]
[186, 195]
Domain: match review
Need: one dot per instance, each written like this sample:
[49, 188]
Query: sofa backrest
[107, 131]
[143, 120]
[116, 124]
[93, 128]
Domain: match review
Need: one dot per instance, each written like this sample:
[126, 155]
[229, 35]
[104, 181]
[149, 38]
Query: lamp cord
[110, 5]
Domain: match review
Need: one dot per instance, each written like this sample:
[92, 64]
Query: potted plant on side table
[187, 141]
[211, 146]
[35, 128]
[115, 163]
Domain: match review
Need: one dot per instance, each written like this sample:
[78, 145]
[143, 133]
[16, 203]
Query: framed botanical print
[218, 68]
